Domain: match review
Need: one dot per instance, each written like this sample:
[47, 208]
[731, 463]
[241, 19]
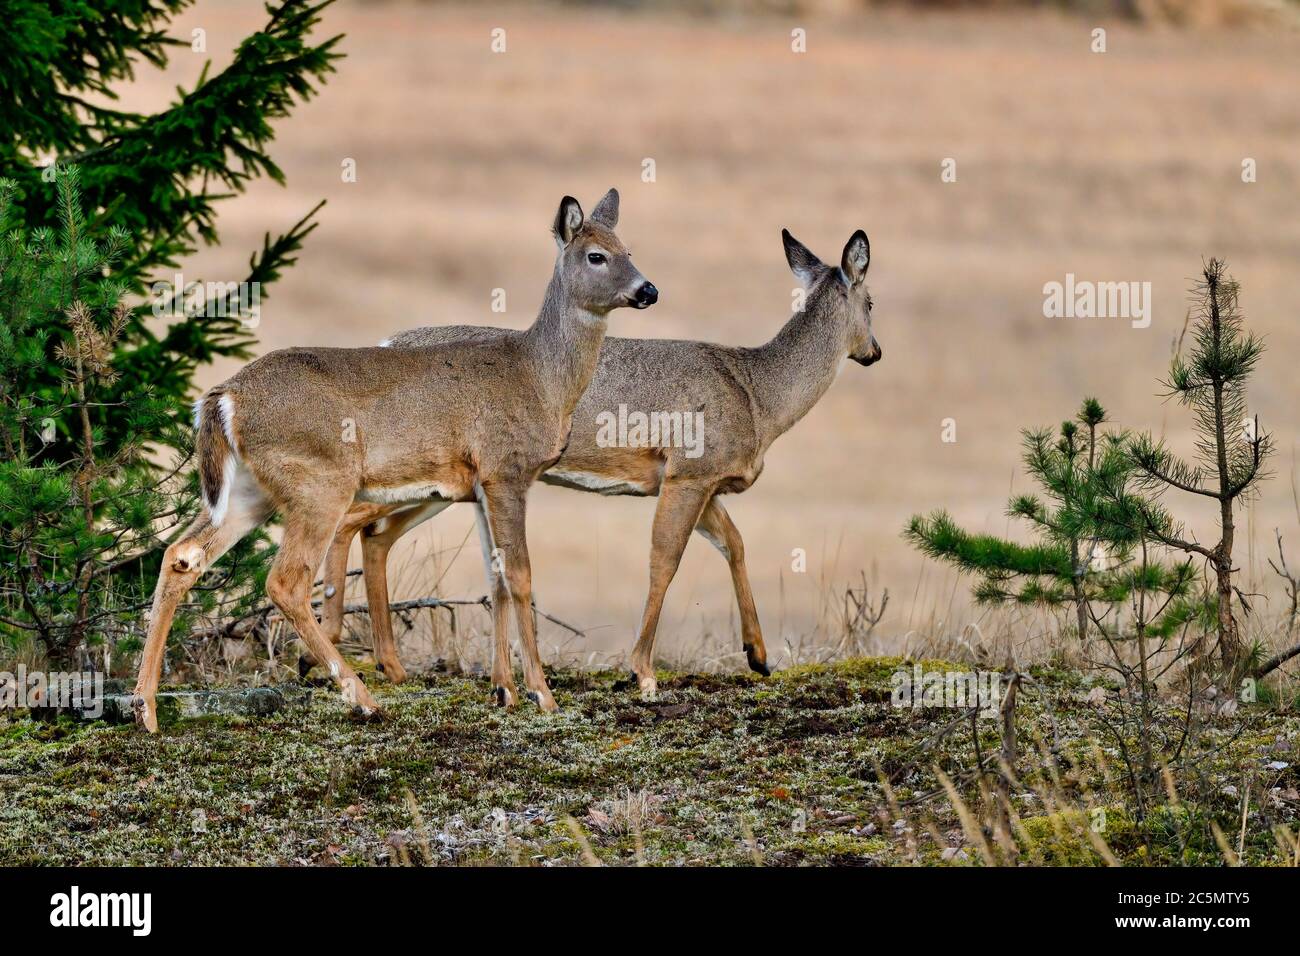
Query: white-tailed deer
[312, 432]
[747, 398]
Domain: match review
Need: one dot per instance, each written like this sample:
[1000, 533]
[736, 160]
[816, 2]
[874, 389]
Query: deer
[749, 397]
[311, 433]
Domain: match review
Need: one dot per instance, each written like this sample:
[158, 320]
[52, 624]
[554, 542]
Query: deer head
[839, 296]
[595, 268]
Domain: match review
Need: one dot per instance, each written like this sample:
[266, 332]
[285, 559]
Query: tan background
[1120, 166]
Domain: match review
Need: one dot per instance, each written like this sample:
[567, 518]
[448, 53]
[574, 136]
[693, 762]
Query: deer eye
[596, 258]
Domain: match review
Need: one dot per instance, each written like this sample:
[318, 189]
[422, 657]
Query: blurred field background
[1123, 166]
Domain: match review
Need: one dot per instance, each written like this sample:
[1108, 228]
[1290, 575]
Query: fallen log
[115, 707]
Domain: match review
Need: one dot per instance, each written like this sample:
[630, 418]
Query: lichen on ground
[721, 770]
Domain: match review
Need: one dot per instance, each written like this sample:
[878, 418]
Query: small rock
[954, 853]
[1277, 765]
[670, 711]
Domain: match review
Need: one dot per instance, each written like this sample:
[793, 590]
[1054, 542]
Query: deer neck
[793, 371]
[565, 344]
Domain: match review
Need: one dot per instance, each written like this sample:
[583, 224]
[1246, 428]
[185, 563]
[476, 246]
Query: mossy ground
[720, 770]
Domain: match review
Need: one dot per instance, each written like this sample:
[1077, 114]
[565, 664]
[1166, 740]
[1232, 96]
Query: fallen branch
[355, 572]
[398, 606]
[1276, 661]
[241, 627]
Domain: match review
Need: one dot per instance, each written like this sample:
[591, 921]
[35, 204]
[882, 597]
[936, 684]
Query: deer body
[314, 433]
[748, 397]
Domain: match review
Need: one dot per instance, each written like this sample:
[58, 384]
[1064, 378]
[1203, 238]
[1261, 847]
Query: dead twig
[243, 626]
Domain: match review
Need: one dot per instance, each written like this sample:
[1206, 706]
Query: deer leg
[336, 572]
[374, 567]
[183, 564]
[503, 678]
[336, 577]
[716, 525]
[676, 515]
[377, 540]
[308, 530]
[506, 507]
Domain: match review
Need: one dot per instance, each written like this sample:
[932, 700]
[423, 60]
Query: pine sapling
[1075, 562]
[1231, 450]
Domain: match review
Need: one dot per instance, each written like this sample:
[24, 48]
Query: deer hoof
[544, 700]
[146, 715]
[503, 696]
[649, 688]
[366, 714]
[756, 664]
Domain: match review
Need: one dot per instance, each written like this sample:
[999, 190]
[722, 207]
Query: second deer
[748, 397]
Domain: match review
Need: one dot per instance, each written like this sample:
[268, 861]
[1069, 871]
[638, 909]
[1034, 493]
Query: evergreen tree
[95, 398]
[1082, 556]
[72, 525]
[1230, 448]
[158, 177]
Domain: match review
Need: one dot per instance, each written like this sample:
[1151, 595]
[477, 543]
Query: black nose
[646, 296]
[874, 355]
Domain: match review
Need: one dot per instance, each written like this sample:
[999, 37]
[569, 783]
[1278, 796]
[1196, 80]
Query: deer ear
[568, 220]
[606, 211]
[803, 263]
[857, 257]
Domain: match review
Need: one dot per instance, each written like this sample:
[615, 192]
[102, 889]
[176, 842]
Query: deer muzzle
[873, 354]
[645, 296]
